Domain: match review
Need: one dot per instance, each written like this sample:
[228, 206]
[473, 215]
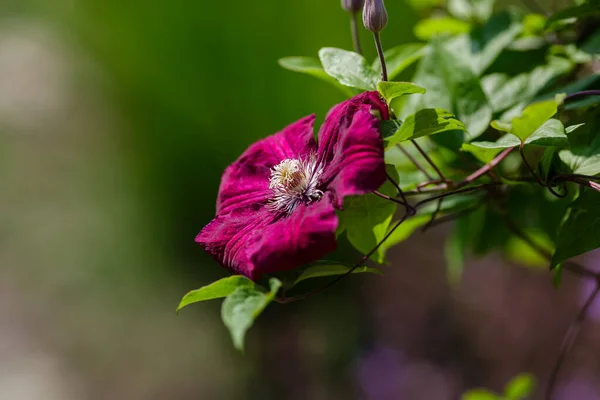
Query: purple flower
[276, 203]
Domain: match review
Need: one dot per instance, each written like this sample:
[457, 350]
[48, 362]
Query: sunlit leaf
[583, 159]
[480, 394]
[534, 24]
[522, 253]
[486, 151]
[501, 126]
[216, 290]
[424, 123]
[406, 229]
[533, 116]
[311, 66]
[551, 133]
[392, 90]
[520, 387]
[243, 306]
[429, 28]
[349, 68]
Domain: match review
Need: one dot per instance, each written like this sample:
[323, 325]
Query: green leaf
[480, 394]
[406, 229]
[557, 273]
[243, 306]
[366, 218]
[533, 117]
[521, 252]
[427, 29]
[501, 126]
[330, 268]
[534, 24]
[216, 290]
[583, 159]
[486, 151]
[349, 68]
[392, 90]
[399, 58]
[424, 123]
[551, 133]
[572, 128]
[503, 91]
[488, 41]
[447, 75]
[311, 66]
[478, 10]
[520, 387]
[583, 10]
[580, 232]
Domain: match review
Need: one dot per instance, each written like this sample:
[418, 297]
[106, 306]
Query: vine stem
[486, 168]
[384, 74]
[415, 162]
[569, 340]
[429, 160]
[354, 29]
[447, 194]
[583, 93]
[537, 179]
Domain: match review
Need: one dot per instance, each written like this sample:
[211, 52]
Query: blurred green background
[116, 121]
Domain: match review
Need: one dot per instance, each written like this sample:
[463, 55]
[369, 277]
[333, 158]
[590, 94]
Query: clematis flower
[276, 203]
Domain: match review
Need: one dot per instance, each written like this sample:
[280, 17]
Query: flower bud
[375, 16]
[352, 6]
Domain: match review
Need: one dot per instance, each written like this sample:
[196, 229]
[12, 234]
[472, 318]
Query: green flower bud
[375, 16]
[352, 6]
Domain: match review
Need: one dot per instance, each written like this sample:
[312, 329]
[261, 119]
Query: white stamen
[293, 182]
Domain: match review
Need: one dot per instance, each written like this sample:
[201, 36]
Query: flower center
[294, 182]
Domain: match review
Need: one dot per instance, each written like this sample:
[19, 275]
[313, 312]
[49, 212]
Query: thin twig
[409, 209]
[415, 162]
[537, 179]
[443, 188]
[569, 340]
[456, 215]
[583, 93]
[438, 207]
[447, 194]
[354, 29]
[486, 168]
[429, 160]
[389, 198]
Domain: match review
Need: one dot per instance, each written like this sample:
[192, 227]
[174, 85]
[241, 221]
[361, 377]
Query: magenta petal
[357, 164]
[305, 236]
[227, 236]
[246, 181]
[340, 118]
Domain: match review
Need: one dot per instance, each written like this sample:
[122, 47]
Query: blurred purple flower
[276, 203]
